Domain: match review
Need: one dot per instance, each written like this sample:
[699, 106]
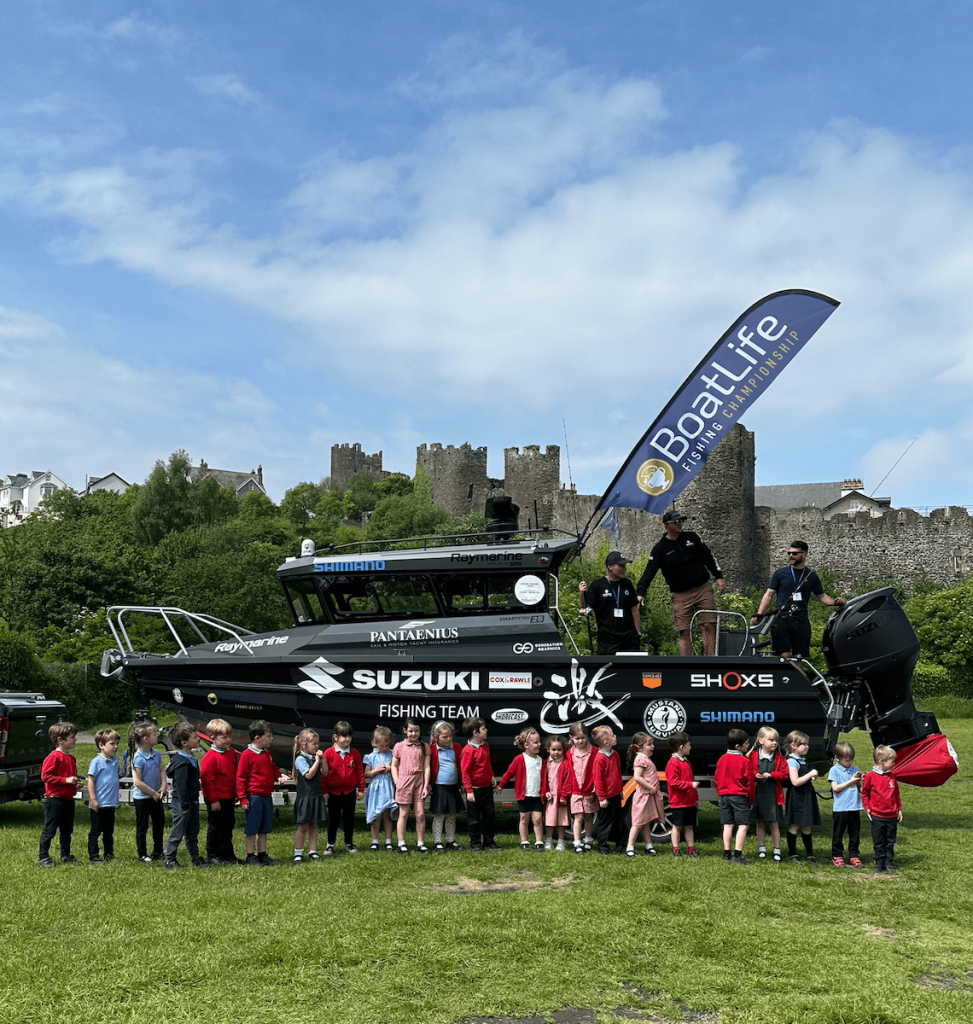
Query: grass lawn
[381, 938]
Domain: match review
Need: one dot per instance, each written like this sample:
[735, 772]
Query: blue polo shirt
[104, 770]
[848, 799]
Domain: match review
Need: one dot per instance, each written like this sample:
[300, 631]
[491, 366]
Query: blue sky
[256, 229]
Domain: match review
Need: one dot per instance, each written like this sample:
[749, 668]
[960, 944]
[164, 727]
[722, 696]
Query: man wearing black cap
[686, 564]
[615, 606]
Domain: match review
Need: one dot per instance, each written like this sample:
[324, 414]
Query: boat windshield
[487, 594]
[387, 597]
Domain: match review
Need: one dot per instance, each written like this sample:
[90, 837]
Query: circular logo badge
[654, 477]
[664, 717]
[523, 648]
[510, 716]
[529, 590]
[177, 695]
[212, 698]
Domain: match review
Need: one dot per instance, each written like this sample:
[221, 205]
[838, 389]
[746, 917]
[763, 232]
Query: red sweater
[474, 767]
[586, 786]
[345, 774]
[256, 774]
[518, 772]
[735, 776]
[434, 760]
[880, 795]
[217, 774]
[58, 766]
[779, 773]
[606, 775]
[679, 783]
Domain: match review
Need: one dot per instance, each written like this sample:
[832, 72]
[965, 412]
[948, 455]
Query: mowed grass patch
[380, 937]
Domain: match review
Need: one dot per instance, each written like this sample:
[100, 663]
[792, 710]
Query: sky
[253, 230]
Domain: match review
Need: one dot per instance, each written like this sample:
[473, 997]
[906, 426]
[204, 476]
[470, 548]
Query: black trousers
[608, 823]
[58, 815]
[102, 824]
[850, 822]
[481, 818]
[341, 805]
[884, 832]
[146, 812]
[219, 830]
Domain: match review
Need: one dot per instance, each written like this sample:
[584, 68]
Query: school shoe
[541, 847]
[265, 860]
[66, 858]
[95, 860]
[388, 847]
[525, 847]
[650, 851]
[877, 870]
[812, 861]
[855, 862]
[373, 847]
[578, 848]
[351, 848]
[45, 862]
[438, 848]
[171, 865]
[761, 854]
[890, 870]
[630, 851]
[676, 852]
[605, 851]
[738, 858]
[727, 855]
[548, 845]
[560, 846]
[298, 859]
[837, 862]
[794, 857]
[476, 849]
[421, 848]
[200, 862]
[146, 859]
[453, 846]
[329, 850]
[251, 860]
[777, 857]
[693, 854]
[402, 848]
[492, 846]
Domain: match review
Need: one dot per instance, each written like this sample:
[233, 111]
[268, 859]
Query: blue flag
[735, 373]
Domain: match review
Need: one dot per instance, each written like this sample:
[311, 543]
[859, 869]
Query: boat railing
[172, 617]
[362, 547]
[556, 605]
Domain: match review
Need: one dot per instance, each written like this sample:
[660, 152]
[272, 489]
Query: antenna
[897, 461]
[567, 453]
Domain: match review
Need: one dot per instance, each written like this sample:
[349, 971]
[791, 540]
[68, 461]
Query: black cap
[615, 558]
[672, 516]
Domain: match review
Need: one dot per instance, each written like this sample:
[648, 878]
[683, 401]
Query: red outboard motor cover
[930, 762]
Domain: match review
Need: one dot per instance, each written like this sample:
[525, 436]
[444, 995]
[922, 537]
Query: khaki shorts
[688, 601]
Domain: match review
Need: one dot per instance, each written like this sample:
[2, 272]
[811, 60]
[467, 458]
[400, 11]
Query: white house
[21, 494]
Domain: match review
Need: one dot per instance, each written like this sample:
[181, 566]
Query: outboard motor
[504, 518]
[871, 650]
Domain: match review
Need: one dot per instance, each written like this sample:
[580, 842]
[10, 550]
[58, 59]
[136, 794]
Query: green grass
[380, 938]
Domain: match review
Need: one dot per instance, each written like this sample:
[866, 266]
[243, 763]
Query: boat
[449, 628]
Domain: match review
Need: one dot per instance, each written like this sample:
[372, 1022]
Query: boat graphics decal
[321, 677]
[416, 679]
[664, 717]
[732, 680]
[510, 680]
[580, 701]
[261, 641]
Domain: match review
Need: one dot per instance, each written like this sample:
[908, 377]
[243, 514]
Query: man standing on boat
[686, 564]
[793, 587]
[616, 608]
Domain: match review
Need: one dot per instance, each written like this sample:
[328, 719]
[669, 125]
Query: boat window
[381, 597]
[305, 602]
[486, 594]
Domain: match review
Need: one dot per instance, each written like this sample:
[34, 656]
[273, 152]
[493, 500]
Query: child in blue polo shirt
[103, 795]
[846, 810]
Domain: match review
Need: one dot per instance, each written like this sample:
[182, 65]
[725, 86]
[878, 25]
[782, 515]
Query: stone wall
[348, 459]
[458, 475]
[533, 479]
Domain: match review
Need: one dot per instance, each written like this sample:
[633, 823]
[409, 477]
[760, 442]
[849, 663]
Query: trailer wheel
[663, 829]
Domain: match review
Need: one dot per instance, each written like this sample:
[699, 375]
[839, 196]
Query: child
[103, 795]
[530, 786]
[647, 798]
[309, 766]
[345, 783]
[770, 771]
[410, 776]
[478, 783]
[845, 781]
[183, 773]
[446, 802]
[683, 798]
[59, 773]
[149, 786]
[256, 776]
[606, 777]
[559, 779]
[801, 806]
[735, 782]
[583, 802]
[217, 776]
[380, 796]
[883, 805]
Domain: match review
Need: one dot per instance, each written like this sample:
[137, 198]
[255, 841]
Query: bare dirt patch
[880, 933]
[946, 982]
[516, 881]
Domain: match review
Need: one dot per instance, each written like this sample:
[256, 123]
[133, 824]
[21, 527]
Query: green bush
[90, 699]
[19, 667]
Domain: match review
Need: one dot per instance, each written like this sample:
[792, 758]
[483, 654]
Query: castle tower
[459, 481]
[348, 459]
[532, 478]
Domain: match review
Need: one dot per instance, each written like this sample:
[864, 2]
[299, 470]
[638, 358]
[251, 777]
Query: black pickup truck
[24, 721]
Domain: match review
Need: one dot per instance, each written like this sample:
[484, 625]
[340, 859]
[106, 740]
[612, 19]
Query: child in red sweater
[59, 773]
[530, 786]
[217, 778]
[606, 776]
[681, 787]
[478, 782]
[256, 777]
[883, 805]
[345, 783]
[736, 782]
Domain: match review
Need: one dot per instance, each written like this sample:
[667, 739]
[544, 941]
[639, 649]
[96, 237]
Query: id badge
[797, 597]
[619, 613]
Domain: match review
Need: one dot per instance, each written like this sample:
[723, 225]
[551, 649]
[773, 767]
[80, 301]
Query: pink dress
[586, 804]
[555, 813]
[411, 771]
[646, 807]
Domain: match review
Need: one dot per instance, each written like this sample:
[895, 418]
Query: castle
[748, 540]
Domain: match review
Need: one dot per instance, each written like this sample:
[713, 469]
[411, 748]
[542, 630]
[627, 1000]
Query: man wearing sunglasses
[793, 586]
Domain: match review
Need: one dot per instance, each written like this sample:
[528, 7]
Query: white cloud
[228, 86]
[133, 29]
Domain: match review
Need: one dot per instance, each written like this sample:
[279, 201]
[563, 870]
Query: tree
[163, 504]
[297, 505]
